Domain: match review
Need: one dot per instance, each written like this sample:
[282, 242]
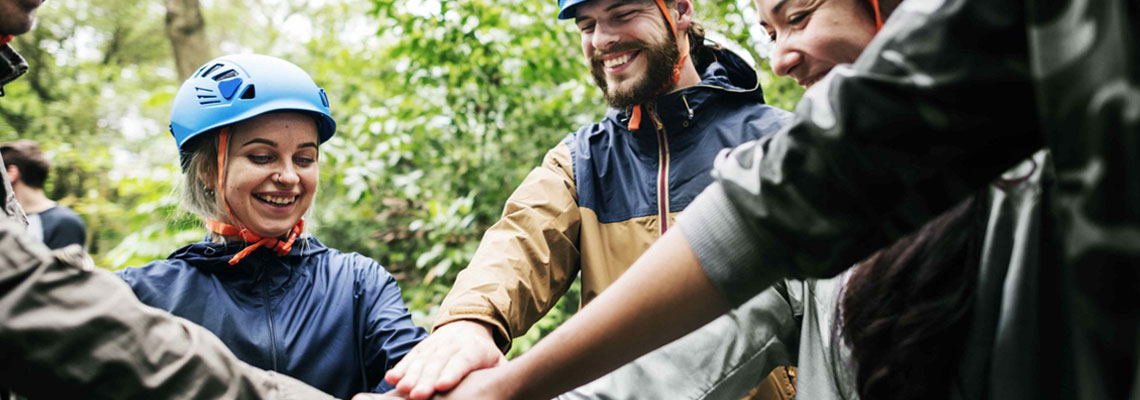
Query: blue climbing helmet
[566, 8]
[234, 88]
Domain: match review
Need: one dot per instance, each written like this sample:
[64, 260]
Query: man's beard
[659, 58]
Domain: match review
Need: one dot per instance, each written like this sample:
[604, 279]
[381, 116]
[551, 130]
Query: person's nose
[785, 58]
[603, 38]
[289, 176]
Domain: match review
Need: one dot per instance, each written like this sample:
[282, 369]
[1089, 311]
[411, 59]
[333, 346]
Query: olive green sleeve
[922, 119]
[69, 330]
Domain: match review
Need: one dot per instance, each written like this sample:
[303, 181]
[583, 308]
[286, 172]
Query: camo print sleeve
[69, 330]
[876, 149]
[10, 210]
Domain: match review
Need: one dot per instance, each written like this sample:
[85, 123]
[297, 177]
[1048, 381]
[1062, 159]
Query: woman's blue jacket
[333, 320]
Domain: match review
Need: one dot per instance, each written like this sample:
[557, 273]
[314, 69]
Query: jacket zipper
[269, 318]
[662, 170]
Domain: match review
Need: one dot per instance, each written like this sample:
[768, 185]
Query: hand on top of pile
[442, 360]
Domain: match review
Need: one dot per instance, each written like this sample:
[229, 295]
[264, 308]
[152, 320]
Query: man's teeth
[277, 200]
[617, 61]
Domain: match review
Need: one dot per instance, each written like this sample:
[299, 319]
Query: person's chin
[273, 232]
[19, 27]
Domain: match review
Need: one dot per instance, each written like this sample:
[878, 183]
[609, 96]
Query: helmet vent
[225, 75]
[207, 71]
[206, 96]
[249, 93]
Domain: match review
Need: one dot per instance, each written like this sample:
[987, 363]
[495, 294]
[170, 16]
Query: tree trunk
[187, 32]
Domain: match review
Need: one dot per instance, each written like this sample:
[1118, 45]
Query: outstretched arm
[663, 296]
[68, 331]
[525, 262]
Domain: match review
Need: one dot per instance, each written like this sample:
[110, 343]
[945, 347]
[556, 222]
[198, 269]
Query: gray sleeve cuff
[729, 250]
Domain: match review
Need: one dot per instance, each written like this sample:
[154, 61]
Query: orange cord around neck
[5, 39]
[635, 118]
[878, 16]
[281, 247]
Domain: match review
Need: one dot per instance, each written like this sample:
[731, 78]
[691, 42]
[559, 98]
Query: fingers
[452, 372]
[442, 360]
[392, 395]
[425, 382]
[411, 375]
[394, 375]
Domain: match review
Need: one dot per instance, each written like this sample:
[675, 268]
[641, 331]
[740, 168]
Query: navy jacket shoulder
[62, 227]
[334, 320]
[619, 173]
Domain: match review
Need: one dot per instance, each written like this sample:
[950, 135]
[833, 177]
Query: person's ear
[13, 174]
[206, 180]
[684, 16]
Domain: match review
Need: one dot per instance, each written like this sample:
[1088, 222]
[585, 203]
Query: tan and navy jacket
[603, 195]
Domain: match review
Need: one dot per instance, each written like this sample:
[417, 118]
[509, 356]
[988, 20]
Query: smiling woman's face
[813, 36]
[272, 173]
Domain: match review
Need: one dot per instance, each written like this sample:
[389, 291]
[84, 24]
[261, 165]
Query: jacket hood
[723, 73]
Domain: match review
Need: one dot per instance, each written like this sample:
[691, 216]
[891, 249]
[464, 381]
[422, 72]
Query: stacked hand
[486, 384]
[438, 363]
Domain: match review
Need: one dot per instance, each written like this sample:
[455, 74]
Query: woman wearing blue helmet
[248, 129]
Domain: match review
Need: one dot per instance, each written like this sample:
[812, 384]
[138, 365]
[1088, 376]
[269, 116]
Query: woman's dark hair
[906, 310]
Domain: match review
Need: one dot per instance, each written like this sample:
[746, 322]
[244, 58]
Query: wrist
[470, 327]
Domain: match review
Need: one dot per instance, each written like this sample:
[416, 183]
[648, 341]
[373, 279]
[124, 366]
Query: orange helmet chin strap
[281, 247]
[878, 16]
[635, 119]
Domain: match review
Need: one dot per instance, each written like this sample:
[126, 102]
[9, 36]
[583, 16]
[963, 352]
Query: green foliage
[99, 85]
[454, 108]
[443, 107]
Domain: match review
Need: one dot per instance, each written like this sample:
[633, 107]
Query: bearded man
[602, 196]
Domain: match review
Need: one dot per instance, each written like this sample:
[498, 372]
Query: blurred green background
[443, 107]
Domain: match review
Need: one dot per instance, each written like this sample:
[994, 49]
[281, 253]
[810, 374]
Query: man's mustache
[596, 58]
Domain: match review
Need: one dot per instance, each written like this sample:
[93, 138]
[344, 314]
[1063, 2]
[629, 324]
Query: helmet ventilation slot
[207, 71]
[225, 75]
[249, 93]
[206, 96]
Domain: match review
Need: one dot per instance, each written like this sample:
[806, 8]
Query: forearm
[663, 296]
[876, 149]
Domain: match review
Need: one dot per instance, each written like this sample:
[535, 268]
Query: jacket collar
[12, 65]
[726, 74]
[214, 257]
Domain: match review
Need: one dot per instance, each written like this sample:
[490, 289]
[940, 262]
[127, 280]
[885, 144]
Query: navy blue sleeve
[387, 328]
[62, 227]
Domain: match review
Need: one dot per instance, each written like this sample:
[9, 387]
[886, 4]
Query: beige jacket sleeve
[527, 260]
[68, 330]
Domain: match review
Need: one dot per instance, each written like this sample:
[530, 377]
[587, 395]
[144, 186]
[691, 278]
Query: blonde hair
[194, 194]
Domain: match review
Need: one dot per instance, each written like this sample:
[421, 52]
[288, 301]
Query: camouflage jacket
[11, 67]
[950, 94]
